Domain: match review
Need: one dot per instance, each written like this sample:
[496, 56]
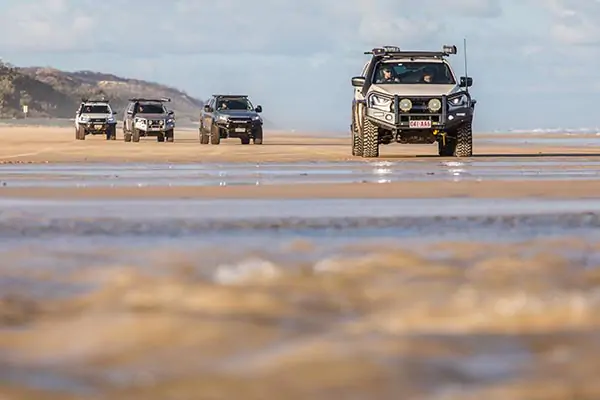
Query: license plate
[419, 123]
[240, 129]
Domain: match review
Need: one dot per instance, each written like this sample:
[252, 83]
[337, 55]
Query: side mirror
[258, 109]
[171, 113]
[466, 81]
[358, 81]
[114, 112]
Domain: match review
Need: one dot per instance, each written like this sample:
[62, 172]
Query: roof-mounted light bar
[396, 51]
[160, 100]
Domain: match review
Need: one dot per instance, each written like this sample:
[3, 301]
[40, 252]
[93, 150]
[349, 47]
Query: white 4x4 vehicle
[411, 97]
[95, 117]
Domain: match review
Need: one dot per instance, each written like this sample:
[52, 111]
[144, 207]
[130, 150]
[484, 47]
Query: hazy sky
[534, 62]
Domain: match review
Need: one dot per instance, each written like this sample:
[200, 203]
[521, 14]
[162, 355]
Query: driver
[223, 105]
[387, 75]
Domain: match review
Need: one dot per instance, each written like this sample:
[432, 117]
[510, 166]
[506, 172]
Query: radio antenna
[466, 71]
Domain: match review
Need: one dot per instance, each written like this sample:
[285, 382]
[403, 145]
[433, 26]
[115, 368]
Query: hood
[151, 116]
[239, 113]
[104, 115]
[414, 89]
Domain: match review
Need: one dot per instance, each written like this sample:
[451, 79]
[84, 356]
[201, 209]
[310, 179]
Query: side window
[364, 70]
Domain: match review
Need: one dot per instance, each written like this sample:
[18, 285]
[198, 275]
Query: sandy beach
[294, 270]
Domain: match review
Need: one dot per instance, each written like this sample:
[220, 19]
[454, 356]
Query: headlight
[84, 118]
[170, 121]
[256, 118]
[405, 105]
[140, 120]
[223, 118]
[111, 119]
[458, 101]
[434, 105]
[381, 102]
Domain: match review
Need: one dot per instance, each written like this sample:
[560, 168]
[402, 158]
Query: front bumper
[155, 126]
[419, 117]
[98, 126]
[239, 126]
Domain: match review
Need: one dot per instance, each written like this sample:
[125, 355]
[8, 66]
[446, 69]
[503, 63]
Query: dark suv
[230, 116]
[148, 117]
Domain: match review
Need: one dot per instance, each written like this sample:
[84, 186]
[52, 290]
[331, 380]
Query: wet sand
[292, 270]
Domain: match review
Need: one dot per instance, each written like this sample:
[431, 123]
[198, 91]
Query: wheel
[245, 139]
[203, 137]
[127, 136]
[81, 133]
[111, 133]
[215, 135]
[370, 140]
[160, 137]
[357, 139]
[170, 135]
[258, 135]
[459, 143]
[464, 140]
[135, 135]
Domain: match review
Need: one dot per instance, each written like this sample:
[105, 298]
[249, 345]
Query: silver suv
[146, 118]
[411, 97]
[95, 117]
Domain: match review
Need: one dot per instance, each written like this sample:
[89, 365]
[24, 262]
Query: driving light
[448, 49]
[434, 105]
[405, 105]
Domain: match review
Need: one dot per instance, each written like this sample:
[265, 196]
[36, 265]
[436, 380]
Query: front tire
[111, 133]
[370, 140]
[357, 139]
[204, 139]
[170, 135]
[464, 140]
[215, 135]
[258, 135]
[135, 137]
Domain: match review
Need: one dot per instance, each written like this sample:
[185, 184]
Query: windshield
[151, 108]
[234, 104]
[95, 109]
[414, 72]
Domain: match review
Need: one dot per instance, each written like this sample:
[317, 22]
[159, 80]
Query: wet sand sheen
[123, 306]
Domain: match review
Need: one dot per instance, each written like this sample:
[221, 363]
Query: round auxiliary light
[405, 104]
[434, 105]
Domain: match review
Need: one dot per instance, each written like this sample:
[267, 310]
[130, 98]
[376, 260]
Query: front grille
[98, 120]
[156, 123]
[240, 120]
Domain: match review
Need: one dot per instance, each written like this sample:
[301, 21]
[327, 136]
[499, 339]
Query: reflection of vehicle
[148, 117]
[411, 97]
[95, 117]
[230, 116]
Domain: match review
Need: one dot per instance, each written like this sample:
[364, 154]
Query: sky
[534, 63]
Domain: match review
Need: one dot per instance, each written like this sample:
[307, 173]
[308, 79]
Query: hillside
[53, 93]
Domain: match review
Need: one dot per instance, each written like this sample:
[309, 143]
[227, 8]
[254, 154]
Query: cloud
[290, 54]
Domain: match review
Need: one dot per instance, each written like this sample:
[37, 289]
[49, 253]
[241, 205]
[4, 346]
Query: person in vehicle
[387, 75]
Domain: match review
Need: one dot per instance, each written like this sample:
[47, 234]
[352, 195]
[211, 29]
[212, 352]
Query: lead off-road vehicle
[95, 117]
[411, 97]
[230, 116]
[148, 118]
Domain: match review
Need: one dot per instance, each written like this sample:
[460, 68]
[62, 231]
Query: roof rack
[230, 95]
[101, 100]
[394, 51]
[151, 100]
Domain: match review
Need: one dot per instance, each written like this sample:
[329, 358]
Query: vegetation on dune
[52, 93]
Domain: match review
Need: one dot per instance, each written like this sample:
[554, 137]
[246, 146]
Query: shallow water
[296, 299]
[91, 175]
